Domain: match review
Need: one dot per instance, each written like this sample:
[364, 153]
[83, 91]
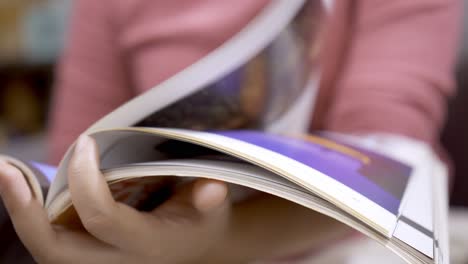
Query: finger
[197, 214]
[35, 231]
[109, 221]
[197, 207]
[198, 197]
[195, 202]
[27, 215]
[209, 194]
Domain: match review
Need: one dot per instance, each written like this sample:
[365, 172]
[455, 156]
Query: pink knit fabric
[398, 70]
[395, 75]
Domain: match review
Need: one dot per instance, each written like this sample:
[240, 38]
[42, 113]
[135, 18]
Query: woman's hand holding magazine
[182, 229]
[197, 224]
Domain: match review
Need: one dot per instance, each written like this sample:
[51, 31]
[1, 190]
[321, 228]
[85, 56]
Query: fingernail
[81, 143]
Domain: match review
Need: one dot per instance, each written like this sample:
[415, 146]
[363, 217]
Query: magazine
[240, 115]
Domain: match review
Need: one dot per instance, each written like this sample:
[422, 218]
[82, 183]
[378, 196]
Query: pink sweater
[387, 64]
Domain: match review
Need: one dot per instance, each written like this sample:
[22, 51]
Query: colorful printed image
[258, 92]
[143, 194]
[378, 178]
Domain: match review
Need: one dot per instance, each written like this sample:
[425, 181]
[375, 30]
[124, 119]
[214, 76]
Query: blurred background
[32, 33]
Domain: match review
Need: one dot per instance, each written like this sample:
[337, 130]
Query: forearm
[267, 227]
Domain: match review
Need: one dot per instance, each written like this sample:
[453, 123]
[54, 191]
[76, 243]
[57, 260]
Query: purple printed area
[231, 84]
[47, 170]
[339, 166]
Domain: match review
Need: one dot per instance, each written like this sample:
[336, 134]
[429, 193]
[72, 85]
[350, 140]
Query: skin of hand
[181, 230]
[197, 225]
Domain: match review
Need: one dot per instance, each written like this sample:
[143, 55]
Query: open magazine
[241, 115]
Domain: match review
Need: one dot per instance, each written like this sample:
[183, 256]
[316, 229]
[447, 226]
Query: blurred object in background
[43, 30]
[458, 221]
[24, 98]
[455, 134]
[10, 12]
[31, 37]
[21, 107]
[31, 31]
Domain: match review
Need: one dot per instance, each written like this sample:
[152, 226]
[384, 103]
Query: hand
[183, 229]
